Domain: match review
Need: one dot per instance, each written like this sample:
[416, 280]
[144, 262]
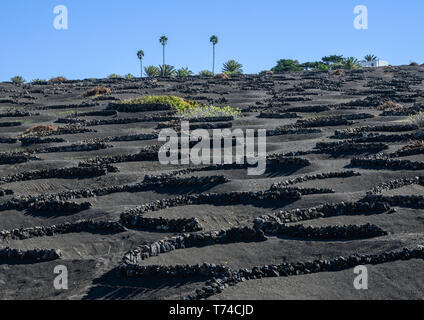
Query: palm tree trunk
[141, 64]
[213, 67]
[163, 63]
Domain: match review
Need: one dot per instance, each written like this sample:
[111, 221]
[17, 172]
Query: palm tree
[166, 70]
[163, 40]
[140, 55]
[232, 67]
[184, 72]
[152, 71]
[370, 58]
[350, 63]
[214, 40]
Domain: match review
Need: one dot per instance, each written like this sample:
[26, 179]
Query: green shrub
[177, 103]
[17, 80]
[114, 76]
[417, 119]
[39, 81]
[129, 76]
[204, 111]
[287, 65]
[206, 73]
[186, 109]
[58, 79]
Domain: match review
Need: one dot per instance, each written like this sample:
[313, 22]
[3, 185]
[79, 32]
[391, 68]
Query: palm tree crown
[350, 63]
[370, 58]
[166, 70]
[232, 67]
[140, 54]
[163, 40]
[214, 40]
[152, 71]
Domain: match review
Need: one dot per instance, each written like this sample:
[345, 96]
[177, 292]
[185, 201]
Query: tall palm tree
[140, 55]
[163, 40]
[214, 40]
[370, 58]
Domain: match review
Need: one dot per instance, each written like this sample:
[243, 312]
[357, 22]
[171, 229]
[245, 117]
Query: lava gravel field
[344, 186]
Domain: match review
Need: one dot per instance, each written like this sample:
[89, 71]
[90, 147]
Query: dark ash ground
[92, 257]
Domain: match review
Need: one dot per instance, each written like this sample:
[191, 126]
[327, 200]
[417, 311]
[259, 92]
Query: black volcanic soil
[92, 257]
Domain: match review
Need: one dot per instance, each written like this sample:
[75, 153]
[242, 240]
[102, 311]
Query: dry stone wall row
[412, 201]
[18, 114]
[67, 173]
[326, 210]
[383, 162]
[380, 128]
[318, 176]
[349, 146]
[396, 184]
[60, 201]
[97, 122]
[291, 130]
[36, 255]
[44, 204]
[200, 239]
[333, 120]
[230, 278]
[16, 157]
[378, 137]
[75, 227]
[346, 232]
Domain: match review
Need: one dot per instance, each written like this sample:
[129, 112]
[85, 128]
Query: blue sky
[103, 36]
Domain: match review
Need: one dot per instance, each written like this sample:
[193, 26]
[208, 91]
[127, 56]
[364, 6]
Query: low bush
[97, 91]
[417, 119]
[211, 111]
[206, 73]
[114, 76]
[184, 72]
[40, 129]
[391, 106]
[39, 82]
[414, 145]
[186, 109]
[58, 80]
[339, 72]
[176, 103]
[18, 80]
[222, 76]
